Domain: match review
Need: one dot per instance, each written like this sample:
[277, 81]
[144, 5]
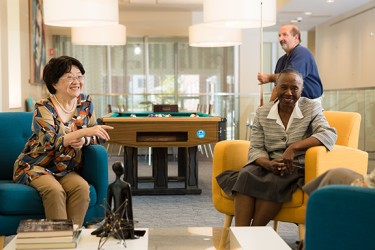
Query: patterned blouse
[44, 152]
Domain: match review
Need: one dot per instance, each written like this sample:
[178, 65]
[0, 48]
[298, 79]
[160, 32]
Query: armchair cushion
[18, 201]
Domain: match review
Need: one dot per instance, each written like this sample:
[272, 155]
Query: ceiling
[288, 10]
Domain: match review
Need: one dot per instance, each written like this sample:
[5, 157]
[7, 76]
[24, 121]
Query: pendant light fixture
[75, 13]
[99, 35]
[241, 14]
[203, 35]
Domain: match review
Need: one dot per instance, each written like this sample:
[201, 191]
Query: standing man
[298, 58]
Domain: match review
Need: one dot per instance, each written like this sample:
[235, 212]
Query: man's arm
[266, 78]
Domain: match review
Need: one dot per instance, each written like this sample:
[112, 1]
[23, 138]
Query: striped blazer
[270, 140]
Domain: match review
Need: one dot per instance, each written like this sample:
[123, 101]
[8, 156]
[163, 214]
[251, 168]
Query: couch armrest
[340, 217]
[95, 169]
[319, 159]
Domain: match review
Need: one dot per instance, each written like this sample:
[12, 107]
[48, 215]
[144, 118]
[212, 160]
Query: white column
[14, 54]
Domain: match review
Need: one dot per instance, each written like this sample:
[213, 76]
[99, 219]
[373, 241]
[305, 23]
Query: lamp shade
[239, 13]
[99, 35]
[203, 35]
[75, 13]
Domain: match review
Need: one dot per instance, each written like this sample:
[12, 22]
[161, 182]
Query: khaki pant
[336, 176]
[67, 197]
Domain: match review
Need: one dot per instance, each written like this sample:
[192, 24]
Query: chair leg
[200, 149]
[224, 238]
[2, 241]
[275, 225]
[301, 231]
[120, 150]
[210, 148]
[205, 150]
[149, 156]
[228, 220]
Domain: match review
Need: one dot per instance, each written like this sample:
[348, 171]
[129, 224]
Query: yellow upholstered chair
[232, 155]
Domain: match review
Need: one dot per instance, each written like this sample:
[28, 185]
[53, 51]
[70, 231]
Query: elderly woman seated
[282, 132]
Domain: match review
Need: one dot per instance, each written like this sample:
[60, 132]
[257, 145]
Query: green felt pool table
[185, 130]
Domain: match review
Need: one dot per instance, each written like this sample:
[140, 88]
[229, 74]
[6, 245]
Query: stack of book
[43, 233]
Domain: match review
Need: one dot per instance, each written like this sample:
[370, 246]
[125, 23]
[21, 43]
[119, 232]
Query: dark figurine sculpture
[119, 221]
[120, 192]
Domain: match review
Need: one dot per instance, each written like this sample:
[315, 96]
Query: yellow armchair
[232, 155]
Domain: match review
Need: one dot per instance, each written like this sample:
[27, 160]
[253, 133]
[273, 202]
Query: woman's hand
[76, 139]
[288, 157]
[278, 166]
[77, 143]
[98, 130]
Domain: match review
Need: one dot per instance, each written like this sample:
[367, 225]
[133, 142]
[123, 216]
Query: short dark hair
[289, 71]
[57, 67]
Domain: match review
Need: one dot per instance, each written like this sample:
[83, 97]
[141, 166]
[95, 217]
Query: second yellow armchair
[232, 155]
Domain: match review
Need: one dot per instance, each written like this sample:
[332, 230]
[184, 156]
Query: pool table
[160, 130]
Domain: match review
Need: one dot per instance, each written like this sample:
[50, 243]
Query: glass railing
[237, 108]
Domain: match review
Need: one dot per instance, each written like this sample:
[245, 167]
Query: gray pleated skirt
[260, 183]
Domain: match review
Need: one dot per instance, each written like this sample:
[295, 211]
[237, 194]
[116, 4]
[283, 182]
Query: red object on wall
[51, 51]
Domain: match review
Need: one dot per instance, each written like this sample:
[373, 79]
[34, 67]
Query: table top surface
[144, 114]
[161, 117]
[192, 238]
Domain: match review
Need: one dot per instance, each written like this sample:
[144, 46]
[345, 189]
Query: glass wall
[150, 71]
[169, 71]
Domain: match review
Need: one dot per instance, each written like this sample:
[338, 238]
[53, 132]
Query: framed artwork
[37, 41]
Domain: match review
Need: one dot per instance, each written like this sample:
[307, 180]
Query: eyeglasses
[80, 78]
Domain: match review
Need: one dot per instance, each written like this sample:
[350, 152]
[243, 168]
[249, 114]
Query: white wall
[345, 49]
[23, 28]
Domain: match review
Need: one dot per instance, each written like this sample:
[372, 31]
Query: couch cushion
[20, 199]
[17, 195]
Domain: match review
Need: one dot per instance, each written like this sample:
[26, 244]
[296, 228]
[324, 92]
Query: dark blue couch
[18, 201]
[340, 217]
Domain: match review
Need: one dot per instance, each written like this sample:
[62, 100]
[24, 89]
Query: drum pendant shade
[99, 35]
[202, 35]
[241, 14]
[75, 13]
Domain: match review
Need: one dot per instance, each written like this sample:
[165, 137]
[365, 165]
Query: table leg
[182, 161]
[131, 166]
[188, 166]
[192, 168]
[160, 167]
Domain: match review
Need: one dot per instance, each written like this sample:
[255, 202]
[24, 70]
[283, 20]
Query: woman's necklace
[62, 107]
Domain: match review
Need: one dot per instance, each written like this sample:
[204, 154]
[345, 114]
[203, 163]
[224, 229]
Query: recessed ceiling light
[330, 1]
[308, 13]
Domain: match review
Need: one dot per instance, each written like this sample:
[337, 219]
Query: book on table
[44, 243]
[44, 228]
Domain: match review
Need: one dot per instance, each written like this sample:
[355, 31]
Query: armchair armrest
[319, 159]
[229, 155]
[95, 169]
